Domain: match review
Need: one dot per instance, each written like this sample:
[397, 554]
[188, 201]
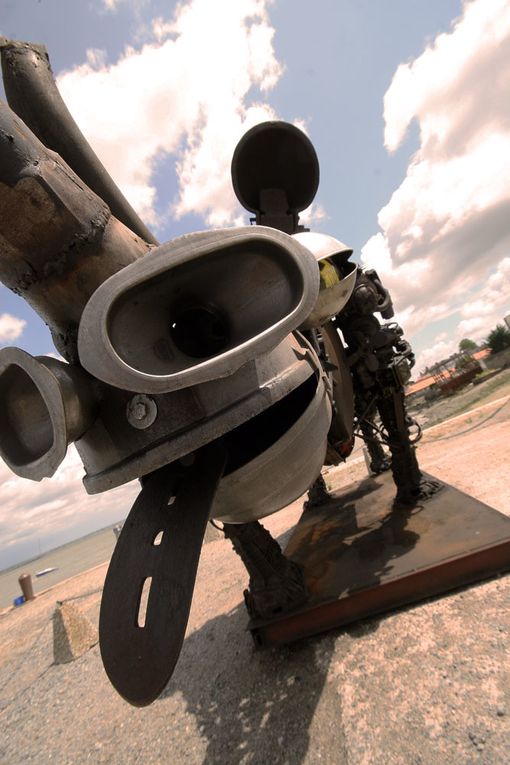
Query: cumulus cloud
[445, 233]
[440, 349]
[188, 94]
[31, 511]
[110, 5]
[10, 327]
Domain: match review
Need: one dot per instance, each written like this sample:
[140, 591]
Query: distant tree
[464, 361]
[466, 345]
[498, 339]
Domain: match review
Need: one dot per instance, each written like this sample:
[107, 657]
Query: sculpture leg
[411, 486]
[276, 583]
[379, 460]
[404, 465]
[381, 361]
[318, 494]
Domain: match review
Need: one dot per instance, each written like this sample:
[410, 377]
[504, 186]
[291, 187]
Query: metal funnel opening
[26, 428]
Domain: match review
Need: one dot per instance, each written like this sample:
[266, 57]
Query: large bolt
[141, 411]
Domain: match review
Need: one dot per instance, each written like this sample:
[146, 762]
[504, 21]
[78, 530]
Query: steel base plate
[362, 557]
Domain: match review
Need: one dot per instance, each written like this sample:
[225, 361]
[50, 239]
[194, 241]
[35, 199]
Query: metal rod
[58, 240]
[32, 93]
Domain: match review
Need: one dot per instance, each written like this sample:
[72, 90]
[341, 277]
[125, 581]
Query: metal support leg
[379, 460]
[317, 494]
[411, 486]
[276, 584]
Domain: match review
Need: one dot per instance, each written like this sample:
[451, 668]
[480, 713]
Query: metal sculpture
[209, 367]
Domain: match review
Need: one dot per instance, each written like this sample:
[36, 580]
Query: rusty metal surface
[343, 395]
[32, 93]
[361, 558]
[58, 240]
[276, 583]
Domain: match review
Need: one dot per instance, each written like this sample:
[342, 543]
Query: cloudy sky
[406, 102]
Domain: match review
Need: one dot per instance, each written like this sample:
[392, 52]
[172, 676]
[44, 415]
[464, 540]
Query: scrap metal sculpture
[210, 367]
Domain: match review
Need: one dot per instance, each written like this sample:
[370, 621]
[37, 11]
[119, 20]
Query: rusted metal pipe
[32, 93]
[58, 240]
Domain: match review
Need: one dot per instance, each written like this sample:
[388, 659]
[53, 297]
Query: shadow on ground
[251, 705]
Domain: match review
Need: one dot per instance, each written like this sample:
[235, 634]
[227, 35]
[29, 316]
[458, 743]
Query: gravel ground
[427, 684]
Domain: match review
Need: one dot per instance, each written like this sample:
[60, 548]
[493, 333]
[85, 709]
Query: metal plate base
[361, 557]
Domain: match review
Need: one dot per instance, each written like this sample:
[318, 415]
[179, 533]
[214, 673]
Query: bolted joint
[141, 411]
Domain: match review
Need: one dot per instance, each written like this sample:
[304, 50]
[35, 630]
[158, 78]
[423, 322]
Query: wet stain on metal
[362, 556]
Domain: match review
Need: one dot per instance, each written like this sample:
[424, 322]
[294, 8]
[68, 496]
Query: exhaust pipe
[198, 309]
[46, 405]
[32, 93]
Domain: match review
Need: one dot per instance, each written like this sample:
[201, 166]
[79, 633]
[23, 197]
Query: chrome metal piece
[282, 472]
[113, 452]
[331, 299]
[323, 245]
[198, 309]
[46, 405]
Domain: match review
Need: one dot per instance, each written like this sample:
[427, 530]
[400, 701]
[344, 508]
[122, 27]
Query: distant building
[447, 376]
[421, 385]
[480, 356]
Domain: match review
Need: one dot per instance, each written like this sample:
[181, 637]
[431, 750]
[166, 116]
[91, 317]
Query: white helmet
[322, 245]
[334, 292]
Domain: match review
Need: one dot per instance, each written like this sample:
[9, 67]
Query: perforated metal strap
[159, 546]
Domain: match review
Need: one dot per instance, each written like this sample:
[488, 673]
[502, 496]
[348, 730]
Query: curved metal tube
[46, 405]
[58, 240]
[32, 93]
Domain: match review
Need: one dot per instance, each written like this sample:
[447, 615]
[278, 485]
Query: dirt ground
[424, 685]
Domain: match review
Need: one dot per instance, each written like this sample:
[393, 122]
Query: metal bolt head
[141, 411]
